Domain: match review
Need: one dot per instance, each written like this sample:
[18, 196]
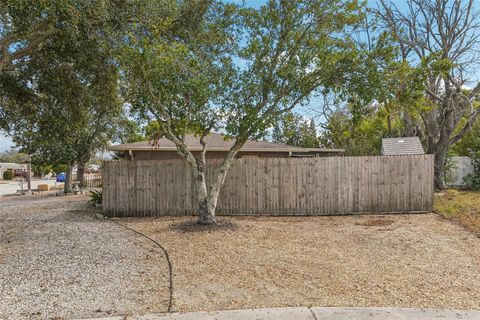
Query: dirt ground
[393, 260]
[58, 260]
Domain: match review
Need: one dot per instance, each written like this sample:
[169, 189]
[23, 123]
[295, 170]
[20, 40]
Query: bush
[472, 181]
[96, 198]
[8, 175]
[58, 168]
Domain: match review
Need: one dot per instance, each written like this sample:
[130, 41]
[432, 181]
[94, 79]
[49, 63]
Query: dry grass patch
[422, 261]
[460, 206]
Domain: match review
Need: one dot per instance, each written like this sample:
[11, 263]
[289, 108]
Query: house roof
[216, 142]
[401, 146]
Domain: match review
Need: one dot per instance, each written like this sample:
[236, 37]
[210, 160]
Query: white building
[4, 166]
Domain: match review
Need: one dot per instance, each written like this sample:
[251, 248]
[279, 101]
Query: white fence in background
[462, 166]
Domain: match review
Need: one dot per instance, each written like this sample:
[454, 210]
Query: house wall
[292, 186]
[171, 155]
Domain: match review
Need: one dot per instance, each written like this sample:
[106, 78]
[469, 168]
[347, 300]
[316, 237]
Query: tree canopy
[439, 38]
[414, 76]
[70, 69]
[295, 130]
[234, 69]
[59, 98]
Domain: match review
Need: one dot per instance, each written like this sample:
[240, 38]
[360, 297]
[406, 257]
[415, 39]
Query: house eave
[196, 149]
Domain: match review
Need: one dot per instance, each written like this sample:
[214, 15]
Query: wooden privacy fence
[274, 186]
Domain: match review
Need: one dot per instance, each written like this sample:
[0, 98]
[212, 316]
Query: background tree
[181, 72]
[295, 130]
[469, 144]
[74, 111]
[441, 38]
[41, 170]
[13, 156]
[360, 135]
[128, 130]
[372, 103]
[60, 102]
[24, 27]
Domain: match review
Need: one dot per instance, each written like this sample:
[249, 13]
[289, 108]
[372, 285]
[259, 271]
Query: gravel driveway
[61, 262]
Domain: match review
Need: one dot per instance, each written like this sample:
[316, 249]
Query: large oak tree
[442, 39]
[58, 76]
[216, 66]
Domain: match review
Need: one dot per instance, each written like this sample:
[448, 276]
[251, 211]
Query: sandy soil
[397, 260]
[57, 261]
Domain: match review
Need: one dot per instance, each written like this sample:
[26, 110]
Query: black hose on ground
[170, 269]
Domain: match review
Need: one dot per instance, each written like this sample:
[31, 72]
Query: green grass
[460, 206]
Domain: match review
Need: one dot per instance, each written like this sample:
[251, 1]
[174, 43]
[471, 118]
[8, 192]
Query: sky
[6, 143]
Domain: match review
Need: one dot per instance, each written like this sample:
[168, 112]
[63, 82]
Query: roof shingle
[401, 146]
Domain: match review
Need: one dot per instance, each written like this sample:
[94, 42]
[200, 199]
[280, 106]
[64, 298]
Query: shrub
[96, 198]
[8, 175]
[472, 180]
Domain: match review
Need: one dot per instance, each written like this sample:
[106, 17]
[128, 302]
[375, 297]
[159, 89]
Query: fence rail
[92, 182]
[274, 186]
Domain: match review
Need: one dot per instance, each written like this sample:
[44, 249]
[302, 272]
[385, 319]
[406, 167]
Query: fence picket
[274, 186]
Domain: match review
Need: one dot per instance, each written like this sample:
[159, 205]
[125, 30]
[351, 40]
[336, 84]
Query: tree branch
[472, 118]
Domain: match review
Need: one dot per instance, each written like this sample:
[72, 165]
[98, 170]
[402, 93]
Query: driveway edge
[313, 313]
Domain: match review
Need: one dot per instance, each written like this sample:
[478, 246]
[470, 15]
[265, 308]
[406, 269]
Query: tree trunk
[68, 179]
[409, 129]
[206, 214]
[440, 153]
[81, 173]
[207, 197]
[209, 205]
[29, 175]
[389, 120]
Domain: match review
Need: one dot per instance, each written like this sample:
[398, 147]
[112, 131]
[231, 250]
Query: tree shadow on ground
[194, 226]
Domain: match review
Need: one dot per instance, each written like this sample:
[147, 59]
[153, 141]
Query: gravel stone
[60, 262]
